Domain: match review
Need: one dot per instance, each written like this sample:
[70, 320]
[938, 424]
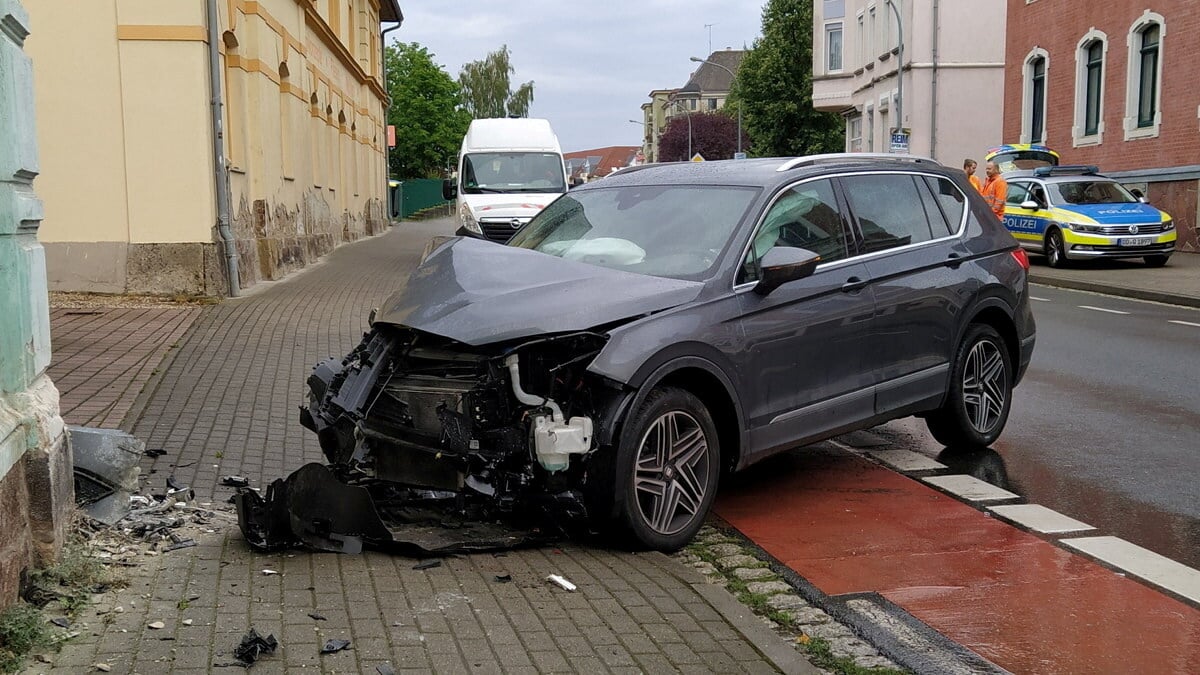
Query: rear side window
[949, 200]
[889, 209]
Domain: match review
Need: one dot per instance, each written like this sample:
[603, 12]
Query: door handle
[853, 285]
[953, 261]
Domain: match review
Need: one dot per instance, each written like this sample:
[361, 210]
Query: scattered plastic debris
[561, 582]
[235, 481]
[317, 617]
[103, 667]
[269, 573]
[385, 669]
[503, 578]
[186, 622]
[61, 622]
[428, 564]
[154, 452]
[156, 625]
[332, 646]
[105, 470]
[254, 645]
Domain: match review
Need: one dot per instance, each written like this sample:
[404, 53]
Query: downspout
[387, 153]
[934, 108]
[218, 136]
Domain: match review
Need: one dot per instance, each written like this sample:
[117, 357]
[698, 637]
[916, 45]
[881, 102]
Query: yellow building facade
[125, 124]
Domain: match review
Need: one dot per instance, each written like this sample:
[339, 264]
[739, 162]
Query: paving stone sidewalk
[225, 402]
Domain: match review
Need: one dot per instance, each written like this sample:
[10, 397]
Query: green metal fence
[410, 196]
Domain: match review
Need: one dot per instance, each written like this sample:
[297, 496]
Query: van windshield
[511, 172]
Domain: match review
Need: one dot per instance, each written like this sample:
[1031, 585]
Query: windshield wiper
[474, 190]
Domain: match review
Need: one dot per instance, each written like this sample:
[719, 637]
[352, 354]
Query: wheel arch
[996, 313]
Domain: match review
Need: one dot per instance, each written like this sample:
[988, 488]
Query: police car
[1073, 213]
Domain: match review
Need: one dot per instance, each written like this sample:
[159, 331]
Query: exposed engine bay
[439, 446]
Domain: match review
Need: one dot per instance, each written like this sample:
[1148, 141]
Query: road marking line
[1101, 309]
[1039, 518]
[970, 488]
[1145, 564]
[1039, 299]
[1185, 323]
[906, 460]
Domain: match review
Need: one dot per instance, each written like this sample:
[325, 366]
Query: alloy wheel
[1054, 249]
[671, 472]
[985, 386]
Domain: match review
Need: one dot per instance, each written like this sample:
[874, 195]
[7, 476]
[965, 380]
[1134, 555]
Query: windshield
[512, 172]
[675, 231]
[1090, 192]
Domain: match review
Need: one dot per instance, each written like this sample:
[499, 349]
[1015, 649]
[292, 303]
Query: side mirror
[782, 264]
[1143, 200]
[1030, 205]
[449, 189]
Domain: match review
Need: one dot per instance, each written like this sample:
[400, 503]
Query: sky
[593, 62]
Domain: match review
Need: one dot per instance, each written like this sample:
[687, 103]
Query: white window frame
[872, 34]
[1079, 137]
[870, 115]
[860, 47]
[853, 142]
[840, 27]
[1027, 95]
[1134, 76]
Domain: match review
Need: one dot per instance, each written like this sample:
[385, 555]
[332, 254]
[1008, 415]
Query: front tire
[980, 397]
[1156, 260]
[1056, 250]
[669, 465]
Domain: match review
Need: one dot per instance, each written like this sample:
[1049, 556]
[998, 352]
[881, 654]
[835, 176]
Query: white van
[508, 170]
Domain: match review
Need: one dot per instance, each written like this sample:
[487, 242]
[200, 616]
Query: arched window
[1144, 86]
[1090, 54]
[1033, 110]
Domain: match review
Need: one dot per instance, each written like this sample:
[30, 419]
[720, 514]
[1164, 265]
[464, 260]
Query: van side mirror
[782, 264]
[449, 189]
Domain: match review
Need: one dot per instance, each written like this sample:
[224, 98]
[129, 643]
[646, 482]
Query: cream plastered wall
[123, 114]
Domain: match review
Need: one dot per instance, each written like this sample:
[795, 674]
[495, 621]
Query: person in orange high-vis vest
[995, 190]
[969, 169]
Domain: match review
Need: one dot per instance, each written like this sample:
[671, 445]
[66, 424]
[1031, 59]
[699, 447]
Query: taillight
[1022, 258]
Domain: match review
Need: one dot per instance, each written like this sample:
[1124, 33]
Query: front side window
[1148, 77]
[1093, 81]
[676, 231]
[889, 210]
[1018, 193]
[804, 216]
[512, 172]
[833, 47]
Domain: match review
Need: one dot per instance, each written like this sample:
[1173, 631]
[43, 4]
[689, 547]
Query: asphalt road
[1106, 425]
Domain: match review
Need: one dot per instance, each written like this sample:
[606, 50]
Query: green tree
[774, 87]
[426, 111]
[487, 90]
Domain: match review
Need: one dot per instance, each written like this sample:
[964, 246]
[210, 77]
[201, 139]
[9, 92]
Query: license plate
[1136, 241]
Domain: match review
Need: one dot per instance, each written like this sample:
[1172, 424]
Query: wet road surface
[849, 525]
[1105, 427]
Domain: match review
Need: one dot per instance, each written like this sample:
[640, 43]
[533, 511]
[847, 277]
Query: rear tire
[1056, 250]
[1156, 260]
[980, 396]
[668, 466]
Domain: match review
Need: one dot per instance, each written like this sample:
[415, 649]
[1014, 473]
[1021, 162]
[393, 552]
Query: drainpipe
[934, 108]
[899, 68]
[218, 136]
[387, 153]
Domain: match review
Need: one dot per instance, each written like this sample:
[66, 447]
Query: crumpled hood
[478, 292]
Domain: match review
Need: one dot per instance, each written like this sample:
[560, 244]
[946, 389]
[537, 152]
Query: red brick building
[1115, 84]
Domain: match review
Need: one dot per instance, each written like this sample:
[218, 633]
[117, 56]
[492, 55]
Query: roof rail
[853, 157]
[1067, 170]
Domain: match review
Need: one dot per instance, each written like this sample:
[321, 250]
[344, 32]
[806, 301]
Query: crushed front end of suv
[646, 334]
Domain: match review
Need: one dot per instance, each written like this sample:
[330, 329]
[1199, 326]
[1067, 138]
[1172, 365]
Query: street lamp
[688, 115]
[733, 75]
[899, 69]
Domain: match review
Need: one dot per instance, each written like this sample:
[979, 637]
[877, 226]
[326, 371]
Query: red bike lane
[848, 525]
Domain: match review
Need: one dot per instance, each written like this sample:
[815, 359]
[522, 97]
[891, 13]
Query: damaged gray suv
[650, 332]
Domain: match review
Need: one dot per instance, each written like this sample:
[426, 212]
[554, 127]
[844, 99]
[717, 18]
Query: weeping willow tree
[487, 90]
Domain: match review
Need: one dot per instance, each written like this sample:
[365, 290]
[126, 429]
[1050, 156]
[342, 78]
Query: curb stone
[735, 561]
